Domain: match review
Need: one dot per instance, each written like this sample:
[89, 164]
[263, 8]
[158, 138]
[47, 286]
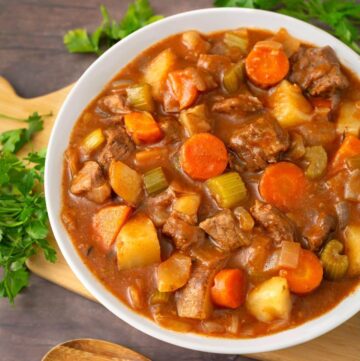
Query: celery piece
[317, 158]
[335, 264]
[159, 297]
[139, 97]
[228, 189]
[237, 39]
[155, 181]
[93, 141]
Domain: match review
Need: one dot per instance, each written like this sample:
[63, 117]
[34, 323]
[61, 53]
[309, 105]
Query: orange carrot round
[283, 184]
[307, 276]
[203, 156]
[229, 288]
[266, 66]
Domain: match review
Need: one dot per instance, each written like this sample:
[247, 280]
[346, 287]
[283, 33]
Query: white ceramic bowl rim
[92, 82]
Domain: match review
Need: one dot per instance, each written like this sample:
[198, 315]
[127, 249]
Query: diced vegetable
[125, 182]
[157, 71]
[160, 297]
[107, 223]
[155, 181]
[195, 42]
[195, 120]
[353, 163]
[284, 185]
[289, 106]
[343, 213]
[290, 44]
[228, 189]
[317, 158]
[352, 187]
[267, 64]
[150, 158]
[73, 160]
[234, 324]
[334, 262]
[209, 326]
[246, 221]
[203, 156]
[173, 273]
[307, 276]
[137, 243]
[183, 87]
[171, 322]
[297, 147]
[139, 96]
[349, 148]
[93, 141]
[352, 249]
[289, 255]
[233, 77]
[237, 39]
[135, 297]
[142, 127]
[229, 288]
[270, 300]
[188, 204]
[348, 120]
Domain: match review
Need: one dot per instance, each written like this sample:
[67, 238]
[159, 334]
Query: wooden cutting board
[341, 344]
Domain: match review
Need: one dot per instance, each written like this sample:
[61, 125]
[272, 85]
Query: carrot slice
[266, 66]
[307, 276]
[183, 87]
[229, 289]
[203, 156]
[107, 223]
[283, 184]
[349, 148]
[142, 127]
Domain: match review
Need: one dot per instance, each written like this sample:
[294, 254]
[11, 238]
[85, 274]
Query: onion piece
[289, 255]
[343, 213]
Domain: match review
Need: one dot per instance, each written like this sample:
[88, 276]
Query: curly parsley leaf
[138, 14]
[13, 140]
[340, 18]
[23, 214]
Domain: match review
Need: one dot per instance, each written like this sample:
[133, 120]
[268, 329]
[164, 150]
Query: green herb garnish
[110, 31]
[340, 18]
[23, 215]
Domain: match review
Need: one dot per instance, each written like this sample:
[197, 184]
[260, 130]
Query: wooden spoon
[92, 350]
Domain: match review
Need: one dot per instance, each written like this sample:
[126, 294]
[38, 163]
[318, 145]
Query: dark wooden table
[34, 60]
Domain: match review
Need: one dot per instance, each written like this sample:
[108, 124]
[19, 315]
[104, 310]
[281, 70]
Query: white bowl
[92, 82]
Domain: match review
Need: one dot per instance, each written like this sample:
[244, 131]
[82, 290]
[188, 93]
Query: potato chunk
[352, 249]
[289, 106]
[125, 181]
[188, 204]
[195, 120]
[157, 71]
[173, 273]
[270, 300]
[137, 244]
[348, 120]
[107, 223]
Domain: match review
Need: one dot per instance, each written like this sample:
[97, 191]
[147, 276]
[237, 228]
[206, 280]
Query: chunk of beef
[182, 233]
[159, 207]
[115, 103]
[91, 183]
[171, 129]
[279, 226]
[118, 146]
[193, 300]
[317, 70]
[225, 231]
[259, 142]
[317, 229]
[244, 103]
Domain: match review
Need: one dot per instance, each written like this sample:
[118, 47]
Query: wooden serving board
[342, 343]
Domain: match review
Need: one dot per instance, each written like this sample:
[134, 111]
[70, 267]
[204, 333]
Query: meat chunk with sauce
[279, 226]
[317, 70]
[259, 142]
[224, 229]
[182, 233]
[115, 104]
[193, 300]
[91, 183]
[244, 103]
[159, 207]
[118, 146]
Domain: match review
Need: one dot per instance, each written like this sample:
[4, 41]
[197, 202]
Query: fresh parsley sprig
[23, 215]
[110, 31]
[338, 17]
